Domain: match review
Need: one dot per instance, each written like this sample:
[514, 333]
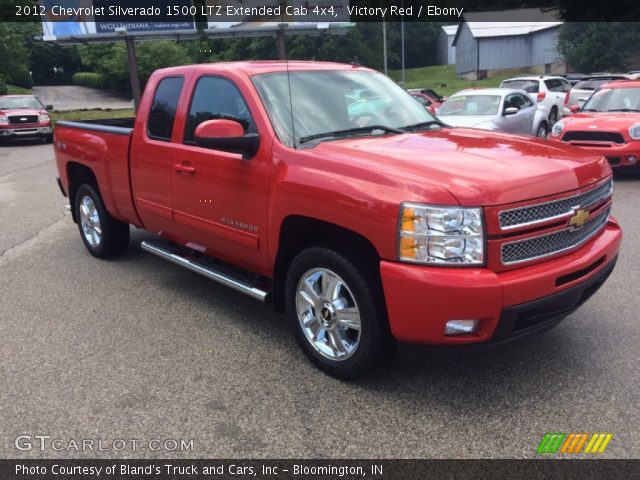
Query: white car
[547, 91]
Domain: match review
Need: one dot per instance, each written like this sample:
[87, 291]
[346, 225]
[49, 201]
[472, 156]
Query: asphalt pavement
[74, 97]
[139, 349]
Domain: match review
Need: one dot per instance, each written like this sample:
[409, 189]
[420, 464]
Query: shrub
[3, 87]
[91, 79]
[20, 77]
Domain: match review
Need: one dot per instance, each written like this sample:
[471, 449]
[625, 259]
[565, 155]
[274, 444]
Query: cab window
[163, 109]
[213, 98]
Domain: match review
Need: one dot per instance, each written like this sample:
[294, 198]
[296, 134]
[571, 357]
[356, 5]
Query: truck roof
[267, 66]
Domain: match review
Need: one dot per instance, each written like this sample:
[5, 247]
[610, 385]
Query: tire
[553, 117]
[543, 130]
[48, 138]
[337, 300]
[103, 235]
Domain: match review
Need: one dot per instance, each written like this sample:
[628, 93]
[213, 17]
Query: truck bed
[103, 147]
[118, 126]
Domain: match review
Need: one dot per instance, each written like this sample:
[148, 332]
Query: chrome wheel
[328, 314]
[90, 221]
[542, 131]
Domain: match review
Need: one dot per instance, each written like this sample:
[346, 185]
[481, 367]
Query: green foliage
[598, 46]
[90, 79]
[111, 61]
[3, 87]
[21, 77]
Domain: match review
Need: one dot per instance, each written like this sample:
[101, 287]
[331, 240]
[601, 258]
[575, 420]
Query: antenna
[293, 123]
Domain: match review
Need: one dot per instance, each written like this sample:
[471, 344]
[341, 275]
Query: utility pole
[384, 45]
[280, 43]
[402, 41]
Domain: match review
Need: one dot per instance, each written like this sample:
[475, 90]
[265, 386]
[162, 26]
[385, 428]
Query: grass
[442, 79]
[94, 114]
[13, 90]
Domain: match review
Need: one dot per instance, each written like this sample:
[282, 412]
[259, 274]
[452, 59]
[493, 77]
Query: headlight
[3, 120]
[634, 132]
[557, 128]
[440, 235]
[43, 118]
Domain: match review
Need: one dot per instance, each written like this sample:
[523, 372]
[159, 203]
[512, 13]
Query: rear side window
[529, 86]
[216, 97]
[163, 109]
[554, 85]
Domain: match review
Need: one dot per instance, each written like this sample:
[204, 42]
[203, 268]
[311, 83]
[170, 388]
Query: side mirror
[228, 136]
[510, 111]
[575, 108]
[48, 108]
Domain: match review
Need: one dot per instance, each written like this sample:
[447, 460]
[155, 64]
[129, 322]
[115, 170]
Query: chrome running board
[220, 274]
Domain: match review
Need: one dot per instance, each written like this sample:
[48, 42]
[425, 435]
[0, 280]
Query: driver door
[220, 199]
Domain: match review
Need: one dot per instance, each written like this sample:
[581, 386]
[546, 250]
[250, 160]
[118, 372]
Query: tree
[598, 46]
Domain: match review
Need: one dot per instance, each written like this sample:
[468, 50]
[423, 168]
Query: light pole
[384, 45]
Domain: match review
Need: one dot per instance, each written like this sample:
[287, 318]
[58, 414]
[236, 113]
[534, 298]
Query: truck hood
[605, 121]
[479, 168]
[20, 111]
[467, 120]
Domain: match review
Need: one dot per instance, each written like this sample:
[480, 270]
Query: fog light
[632, 160]
[460, 327]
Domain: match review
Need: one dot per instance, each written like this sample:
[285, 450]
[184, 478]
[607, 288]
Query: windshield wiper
[624, 110]
[350, 131]
[418, 126]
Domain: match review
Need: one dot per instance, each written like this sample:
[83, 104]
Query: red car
[427, 98]
[608, 124]
[366, 227]
[24, 116]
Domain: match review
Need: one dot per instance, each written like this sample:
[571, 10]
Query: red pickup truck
[366, 226]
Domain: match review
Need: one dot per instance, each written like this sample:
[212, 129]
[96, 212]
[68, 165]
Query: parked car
[585, 87]
[608, 124]
[364, 230]
[547, 91]
[430, 102]
[23, 116]
[500, 109]
[573, 78]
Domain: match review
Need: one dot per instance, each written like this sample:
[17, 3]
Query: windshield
[335, 100]
[529, 86]
[614, 99]
[470, 105]
[10, 103]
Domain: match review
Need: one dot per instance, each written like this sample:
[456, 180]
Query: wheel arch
[300, 232]
[77, 174]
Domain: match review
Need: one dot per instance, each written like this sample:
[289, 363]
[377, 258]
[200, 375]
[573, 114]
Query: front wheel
[553, 116]
[335, 308]
[103, 235]
[543, 130]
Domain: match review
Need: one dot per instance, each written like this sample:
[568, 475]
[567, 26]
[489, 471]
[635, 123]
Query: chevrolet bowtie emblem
[578, 219]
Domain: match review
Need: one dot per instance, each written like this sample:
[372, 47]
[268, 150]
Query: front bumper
[25, 131]
[421, 300]
[618, 156]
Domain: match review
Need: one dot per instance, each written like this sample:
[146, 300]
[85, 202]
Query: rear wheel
[335, 308]
[553, 116]
[103, 235]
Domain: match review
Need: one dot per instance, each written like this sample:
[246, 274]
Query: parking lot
[138, 348]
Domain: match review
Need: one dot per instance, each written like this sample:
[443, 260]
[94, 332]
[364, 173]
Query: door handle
[184, 168]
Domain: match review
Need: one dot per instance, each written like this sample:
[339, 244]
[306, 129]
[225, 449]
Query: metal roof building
[446, 50]
[485, 45]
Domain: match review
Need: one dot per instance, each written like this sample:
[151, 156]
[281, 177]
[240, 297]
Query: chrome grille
[556, 242]
[521, 216]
